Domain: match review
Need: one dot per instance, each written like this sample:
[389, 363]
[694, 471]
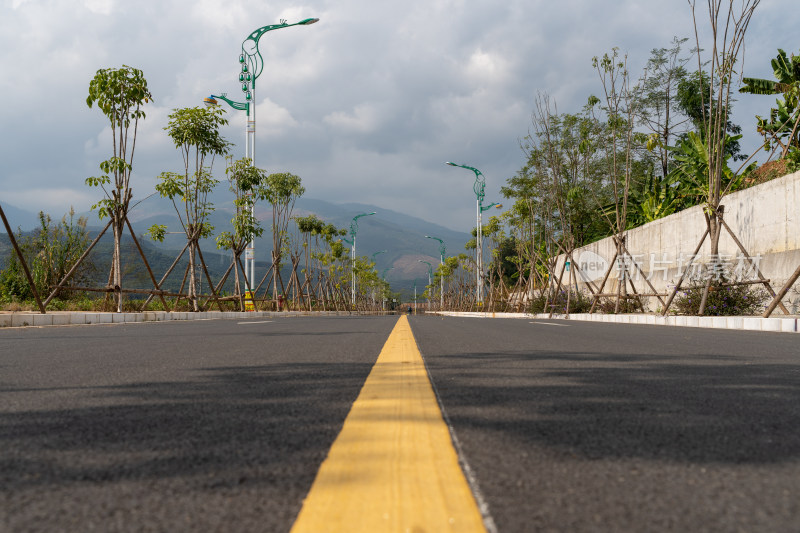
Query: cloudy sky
[365, 106]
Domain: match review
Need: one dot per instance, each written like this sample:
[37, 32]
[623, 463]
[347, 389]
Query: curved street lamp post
[373, 260]
[430, 275]
[385, 271]
[442, 252]
[478, 188]
[252, 65]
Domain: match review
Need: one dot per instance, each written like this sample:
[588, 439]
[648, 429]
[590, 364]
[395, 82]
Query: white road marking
[550, 324]
[259, 322]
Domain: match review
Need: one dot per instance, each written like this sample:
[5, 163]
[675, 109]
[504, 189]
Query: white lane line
[551, 324]
[259, 322]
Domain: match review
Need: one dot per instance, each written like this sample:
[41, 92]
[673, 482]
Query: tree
[309, 226]
[282, 191]
[729, 23]
[195, 133]
[120, 95]
[247, 183]
[660, 110]
[700, 105]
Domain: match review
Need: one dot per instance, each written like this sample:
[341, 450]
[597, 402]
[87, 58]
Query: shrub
[723, 300]
[50, 251]
[607, 305]
[579, 302]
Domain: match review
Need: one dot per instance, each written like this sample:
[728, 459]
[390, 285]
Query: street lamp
[442, 252]
[478, 188]
[252, 64]
[353, 231]
[373, 260]
[430, 274]
[210, 101]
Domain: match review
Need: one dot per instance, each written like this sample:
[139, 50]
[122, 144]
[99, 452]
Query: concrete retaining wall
[765, 218]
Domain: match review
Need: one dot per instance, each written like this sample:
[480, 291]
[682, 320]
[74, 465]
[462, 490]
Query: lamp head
[210, 101]
[306, 22]
[451, 164]
[499, 206]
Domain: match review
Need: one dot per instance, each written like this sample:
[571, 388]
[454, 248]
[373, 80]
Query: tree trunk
[117, 262]
[192, 278]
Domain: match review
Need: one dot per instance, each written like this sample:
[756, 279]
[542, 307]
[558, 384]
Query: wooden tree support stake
[146, 264]
[758, 270]
[22, 262]
[76, 265]
[683, 275]
[164, 278]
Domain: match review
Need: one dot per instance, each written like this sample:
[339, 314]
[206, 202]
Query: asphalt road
[567, 426]
[579, 426]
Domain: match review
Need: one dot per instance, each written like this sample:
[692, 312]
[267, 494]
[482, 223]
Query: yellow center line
[393, 466]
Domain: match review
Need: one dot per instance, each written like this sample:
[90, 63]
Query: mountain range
[401, 235]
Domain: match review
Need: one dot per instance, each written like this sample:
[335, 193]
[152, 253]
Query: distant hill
[19, 218]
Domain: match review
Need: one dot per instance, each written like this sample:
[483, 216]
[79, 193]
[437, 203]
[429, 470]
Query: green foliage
[197, 128]
[283, 188]
[50, 252]
[691, 171]
[695, 101]
[338, 250]
[195, 132]
[157, 232]
[659, 109]
[626, 305]
[781, 127]
[119, 93]
[192, 190]
[247, 183]
[723, 300]
[504, 265]
[658, 198]
[310, 225]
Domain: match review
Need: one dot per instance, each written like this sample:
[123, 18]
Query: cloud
[102, 7]
[365, 105]
[55, 201]
[364, 118]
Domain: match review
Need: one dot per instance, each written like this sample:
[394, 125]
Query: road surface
[561, 426]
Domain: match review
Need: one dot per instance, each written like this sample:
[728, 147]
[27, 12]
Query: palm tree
[782, 125]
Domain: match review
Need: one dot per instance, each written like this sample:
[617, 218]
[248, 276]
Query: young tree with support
[310, 226]
[195, 131]
[120, 94]
[282, 191]
[247, 183]
[729, 23]
[621, 108]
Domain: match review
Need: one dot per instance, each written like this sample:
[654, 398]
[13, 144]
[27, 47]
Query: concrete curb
[781, 325]
[67, 318]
